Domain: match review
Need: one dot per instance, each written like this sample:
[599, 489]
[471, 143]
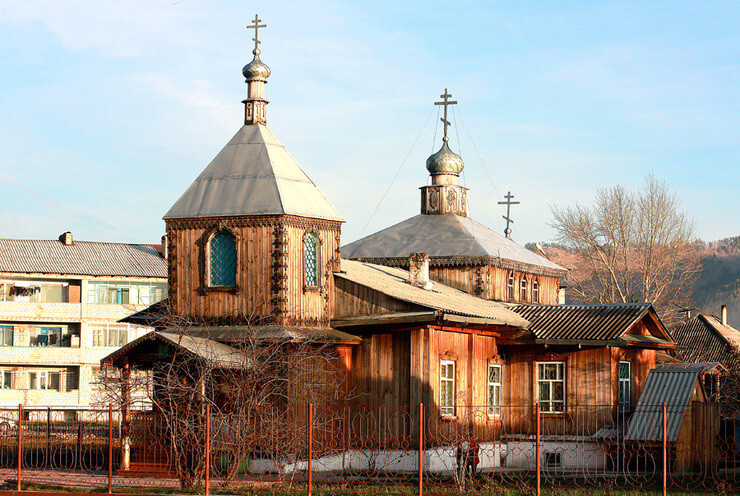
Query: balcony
[26, 311]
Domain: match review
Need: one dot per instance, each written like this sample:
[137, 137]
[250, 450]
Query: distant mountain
[718, 284]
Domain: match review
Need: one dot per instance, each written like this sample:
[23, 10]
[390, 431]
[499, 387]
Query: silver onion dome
[256, 70]
[445, 161]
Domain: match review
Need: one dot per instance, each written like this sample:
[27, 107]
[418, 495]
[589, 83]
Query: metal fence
[694, 447]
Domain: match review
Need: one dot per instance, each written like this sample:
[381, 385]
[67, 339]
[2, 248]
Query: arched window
[523, 290]
[535, 291]
[510, 286]
[311, 257]
[222, 259]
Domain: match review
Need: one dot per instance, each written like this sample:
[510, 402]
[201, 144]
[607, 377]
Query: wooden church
[438, 309]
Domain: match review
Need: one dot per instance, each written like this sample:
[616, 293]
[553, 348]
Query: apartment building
[60, 303]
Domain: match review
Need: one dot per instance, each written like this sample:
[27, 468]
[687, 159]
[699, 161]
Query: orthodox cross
[446, 102]
[256, 26]
[507, 217]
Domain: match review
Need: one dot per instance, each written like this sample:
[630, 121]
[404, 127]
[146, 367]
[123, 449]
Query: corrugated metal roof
[253, 175]
[47, 256]
[392, 281]
[218, 354]
[703, 337]
[672, 386]
[449, 239]
[582, 322]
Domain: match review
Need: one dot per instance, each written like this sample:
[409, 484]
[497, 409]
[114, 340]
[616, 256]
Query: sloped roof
[218, 354]
[672, 386]
[585, 322]
[50, 256]
[253, 175]
[704, 337]
[392, 281]
[449, 239]
[235, 334]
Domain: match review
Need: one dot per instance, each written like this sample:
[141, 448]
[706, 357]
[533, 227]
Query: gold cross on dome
[446, 102]
[256, 26]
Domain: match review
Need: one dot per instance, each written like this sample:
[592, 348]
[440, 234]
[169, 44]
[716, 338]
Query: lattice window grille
[222, 253]
[311, 253]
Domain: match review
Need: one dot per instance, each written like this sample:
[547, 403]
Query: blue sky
[111, 109]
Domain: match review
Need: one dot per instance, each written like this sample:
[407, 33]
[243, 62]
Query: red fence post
[421, 449]
[110, 448]
[665, 449]
[310, 449]
[538, 447]
[208, 449]
[20, 443]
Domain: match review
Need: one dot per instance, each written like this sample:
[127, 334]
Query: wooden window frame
[627, 381]
[447, 411]
[491, 409]
[319, 278]
[563, 379]
[7, 328]
[207, 259]
[535, 290]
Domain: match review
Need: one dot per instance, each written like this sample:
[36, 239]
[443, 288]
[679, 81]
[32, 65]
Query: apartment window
[510, 286]
[447, 388]
[38, 292]
[48, 336]
[44, 379]
[535, 291]
[311, 257]
[625, 383]
[125, 292]
[6, 335]
[495, 375]
[111, 336]
[222, 259]
[523, 290]
[6, 379]
[551, 386]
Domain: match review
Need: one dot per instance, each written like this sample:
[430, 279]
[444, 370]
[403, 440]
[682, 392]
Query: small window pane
[311, 254]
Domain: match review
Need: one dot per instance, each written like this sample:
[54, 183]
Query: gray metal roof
[253, 175]
[218, 354]
[449, 239]
[393, 282]
[235, 334]
[703, 337]
[584, 322]
[47, 256]
[672, 386]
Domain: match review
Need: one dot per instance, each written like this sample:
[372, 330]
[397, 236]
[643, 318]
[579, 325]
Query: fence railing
[688, 447]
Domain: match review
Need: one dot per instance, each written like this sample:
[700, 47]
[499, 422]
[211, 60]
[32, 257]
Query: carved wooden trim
[255, 221]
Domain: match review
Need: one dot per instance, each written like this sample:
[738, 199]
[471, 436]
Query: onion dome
[256, 70]
[445, 161]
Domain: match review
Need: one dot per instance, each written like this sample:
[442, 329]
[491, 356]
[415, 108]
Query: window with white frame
[6, 379]
[6, 335]
[510, 286]
[523, 290]
[447, 388]
[625, 383]
[109, 335]
[495, 379]
[535, 291]
[44, 379]
[551, 386]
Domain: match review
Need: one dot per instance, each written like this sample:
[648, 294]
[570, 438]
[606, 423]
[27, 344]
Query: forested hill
[719, 281]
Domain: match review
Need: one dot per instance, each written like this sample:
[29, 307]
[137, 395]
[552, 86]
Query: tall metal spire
[446, 102]
[507, 217]
[256, 73]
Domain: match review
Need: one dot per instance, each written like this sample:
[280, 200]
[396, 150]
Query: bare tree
[258, 381]
[631, 246]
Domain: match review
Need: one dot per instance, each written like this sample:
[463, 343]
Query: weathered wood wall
[353, 299]
[491, 282]
[270, 269]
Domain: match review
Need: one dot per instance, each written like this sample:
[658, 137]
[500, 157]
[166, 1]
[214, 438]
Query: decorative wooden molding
[403, 262]
[255, 221]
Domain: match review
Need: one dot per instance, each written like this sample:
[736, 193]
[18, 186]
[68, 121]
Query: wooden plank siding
[491, 282]
[353, 299]
[270, 269]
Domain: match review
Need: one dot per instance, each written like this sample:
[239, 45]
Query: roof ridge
[81, 241]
